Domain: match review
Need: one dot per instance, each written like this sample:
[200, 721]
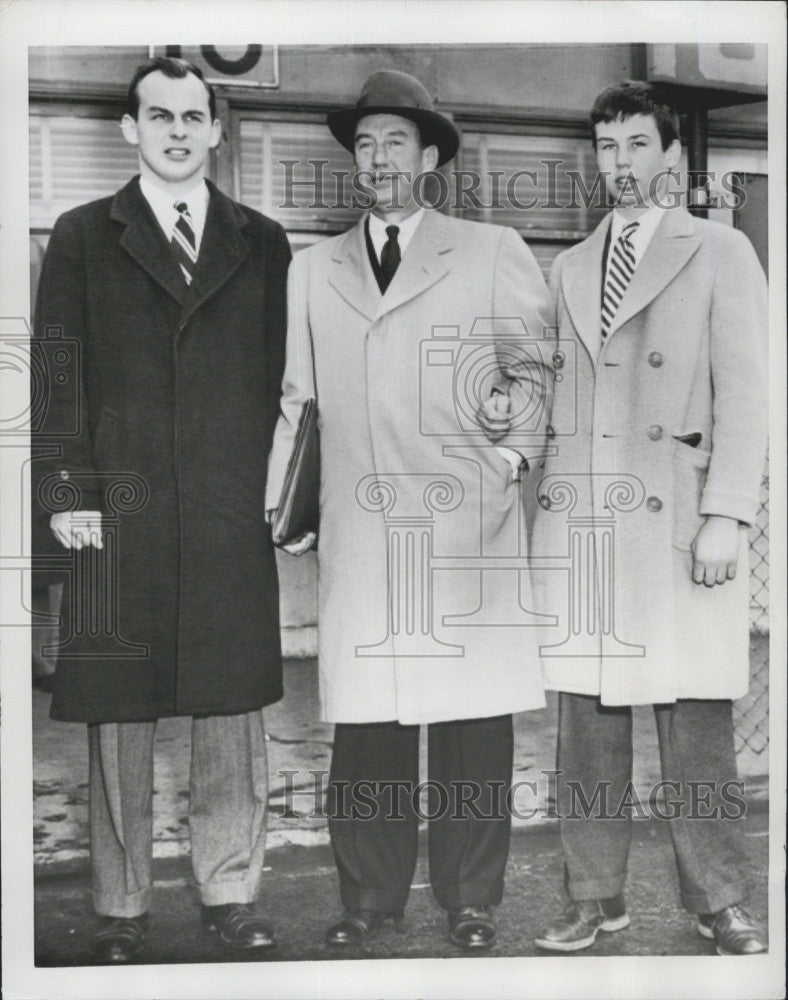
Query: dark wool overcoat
[161, 415]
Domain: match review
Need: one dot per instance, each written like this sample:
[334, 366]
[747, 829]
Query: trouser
[697, 756]
[374, 829]
[228, 791]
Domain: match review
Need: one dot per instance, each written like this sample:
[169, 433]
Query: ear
[673, 153]
[430, 157]
[128, 127]
[216, 134]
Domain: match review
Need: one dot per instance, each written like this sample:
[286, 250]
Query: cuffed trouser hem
[596, 888]
[227, 892]
[717, 899]
[109, 904]
[374, 899]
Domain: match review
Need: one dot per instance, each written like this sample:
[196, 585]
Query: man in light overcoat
[398, 327]
[172, 297]
[659, 435]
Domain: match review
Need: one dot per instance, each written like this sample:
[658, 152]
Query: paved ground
[300, 896]
[300, 890]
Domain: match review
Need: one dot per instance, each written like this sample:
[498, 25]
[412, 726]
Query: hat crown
[394, 89]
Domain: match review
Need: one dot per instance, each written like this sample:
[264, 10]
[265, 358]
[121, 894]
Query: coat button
[655, 359]
[558, 359]
[544, 501]
[654, 504]
[655, 432]
[64, 474]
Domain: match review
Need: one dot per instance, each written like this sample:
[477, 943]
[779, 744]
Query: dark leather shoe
[735, 931]
[238, 926]
[118, 939]
[472, 927]
[581, 921]
[356, 926]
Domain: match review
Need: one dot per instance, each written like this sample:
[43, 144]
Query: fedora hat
[390, 92]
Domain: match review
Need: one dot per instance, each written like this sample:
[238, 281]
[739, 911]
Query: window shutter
[72, 161]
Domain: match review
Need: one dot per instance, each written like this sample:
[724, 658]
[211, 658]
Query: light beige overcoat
[622, 495]
[411, 626]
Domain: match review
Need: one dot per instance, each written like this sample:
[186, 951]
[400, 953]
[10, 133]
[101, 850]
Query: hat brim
[435, 129]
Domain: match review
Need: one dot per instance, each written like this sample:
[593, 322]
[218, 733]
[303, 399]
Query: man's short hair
[634, 97]
[175, 69]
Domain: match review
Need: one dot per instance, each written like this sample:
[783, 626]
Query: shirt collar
[378, 235]
[163, 205]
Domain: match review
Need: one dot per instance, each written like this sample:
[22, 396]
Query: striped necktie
[183, 243]
[619, 273]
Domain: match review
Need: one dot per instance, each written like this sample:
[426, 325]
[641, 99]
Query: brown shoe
[581, 921]
[472, 928]
[118, 939]
[238, 926]
[735, 930]
[356, 926]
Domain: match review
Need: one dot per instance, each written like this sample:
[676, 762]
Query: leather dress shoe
[735, 931]
[238, 926]
[472, 928]
[118, 939]
[356, 926]
[581, 921]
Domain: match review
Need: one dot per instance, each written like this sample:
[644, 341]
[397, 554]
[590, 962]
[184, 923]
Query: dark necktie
[183, 243]
[619, 273]
[389, 257]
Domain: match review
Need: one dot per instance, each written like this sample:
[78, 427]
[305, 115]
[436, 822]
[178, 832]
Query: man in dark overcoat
[172, 299]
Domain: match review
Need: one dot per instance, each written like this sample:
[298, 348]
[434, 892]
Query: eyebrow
[393, 132]
[636, 135]
[167, 111]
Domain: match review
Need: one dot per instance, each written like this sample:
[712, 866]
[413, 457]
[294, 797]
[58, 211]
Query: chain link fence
[751, 715]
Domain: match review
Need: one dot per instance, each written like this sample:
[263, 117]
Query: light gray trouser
[228, 792]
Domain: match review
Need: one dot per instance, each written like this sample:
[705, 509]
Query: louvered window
[72, 161]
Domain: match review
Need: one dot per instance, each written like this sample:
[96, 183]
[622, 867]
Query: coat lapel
[581, 283]
[671, 246]
[353, 278]
[222, 250]
[424, 262]
[144, 240]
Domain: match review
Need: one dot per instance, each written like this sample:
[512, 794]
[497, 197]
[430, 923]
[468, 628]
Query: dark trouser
[695, 745]
[470, 762]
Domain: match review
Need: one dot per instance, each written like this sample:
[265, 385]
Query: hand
[493, 416]
[301, 544]
[75, 529]
[715, 551]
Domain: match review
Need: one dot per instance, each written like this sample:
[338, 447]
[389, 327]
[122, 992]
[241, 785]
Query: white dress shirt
[163, 205]
[379, 237]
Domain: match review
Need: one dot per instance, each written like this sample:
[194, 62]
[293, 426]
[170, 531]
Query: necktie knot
[181, 208]
[628, 232]
[392, 232]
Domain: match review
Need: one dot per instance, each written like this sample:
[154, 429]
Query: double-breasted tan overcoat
[666, 425]
[412, 626]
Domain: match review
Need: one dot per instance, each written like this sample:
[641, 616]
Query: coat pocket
[106, 441]
[689, 478]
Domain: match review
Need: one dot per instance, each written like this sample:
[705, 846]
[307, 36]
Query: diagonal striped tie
[619, 273]
[183, 243]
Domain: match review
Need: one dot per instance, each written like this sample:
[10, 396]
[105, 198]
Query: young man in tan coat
[659, 433]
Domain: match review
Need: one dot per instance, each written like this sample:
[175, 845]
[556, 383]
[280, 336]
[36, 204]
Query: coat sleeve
[298, 383]
[525, 358]
[738, 354]
[61, 434]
